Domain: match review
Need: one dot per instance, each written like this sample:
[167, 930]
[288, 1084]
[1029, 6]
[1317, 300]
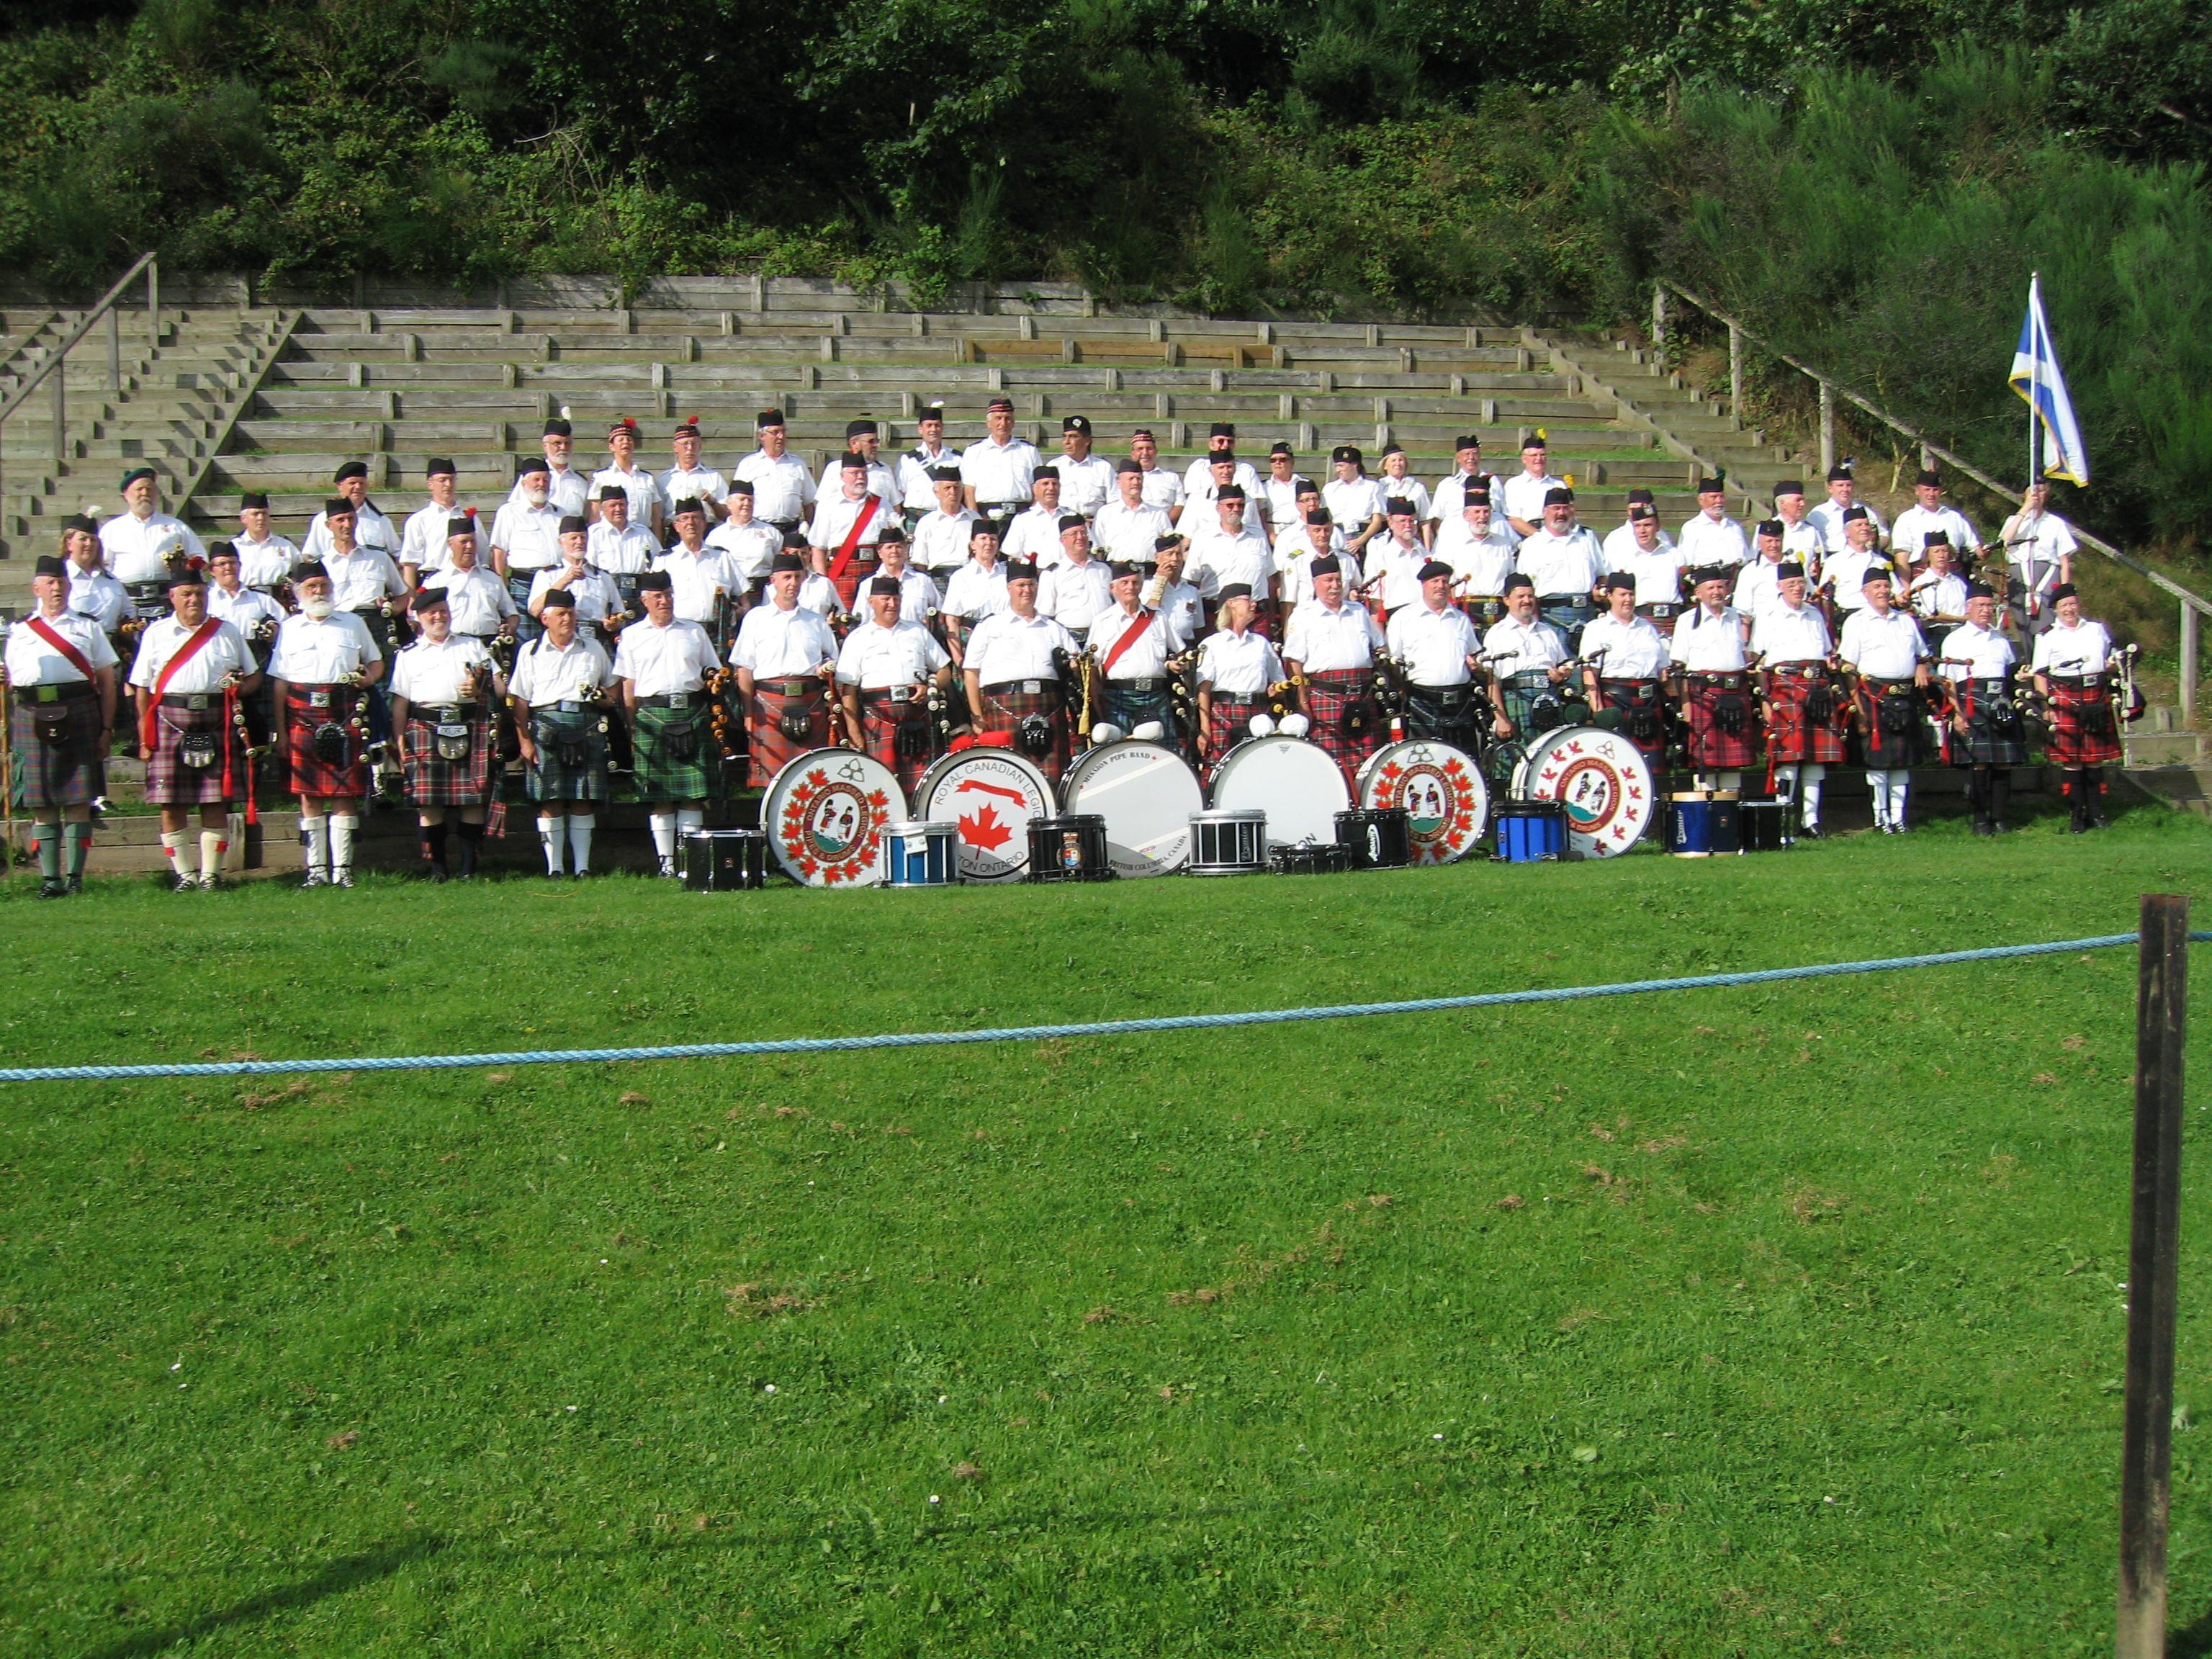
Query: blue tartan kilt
[51, 776]
[1130, 709]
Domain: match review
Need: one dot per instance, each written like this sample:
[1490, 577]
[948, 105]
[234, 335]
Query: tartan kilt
[50, 777]
[551, 780]
[1327, 694]
[865, 562]
[1228, 724]
[1792, 736]
[435, 782]
[881, 722]
[765, 742]
[1891, 751]
[1986, 743]
[657, 776]
[1710, 748]
[170, 782]
[310, 774]
[1004, 711]
[1643, 703]
[2084, 723]
[1130, 709]
[1455, 714]
[1519, 693]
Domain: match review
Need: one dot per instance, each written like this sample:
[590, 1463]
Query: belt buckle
[679, 699]
[902, 693]
[1032, 687]
[46, 693]
[319, 699]
[197, 700]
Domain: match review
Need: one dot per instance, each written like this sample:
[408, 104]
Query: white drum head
[1146, 794]
[989, 796]
[1446, 802]
[825, 815]
[1602, 779]
[1293, 782]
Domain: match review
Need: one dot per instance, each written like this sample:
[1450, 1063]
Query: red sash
[70, 654]
[185, 653]
[860, 522]
[1129, 637]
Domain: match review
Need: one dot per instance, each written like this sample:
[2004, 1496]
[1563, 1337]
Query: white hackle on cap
[564, 411]
[1294, 725]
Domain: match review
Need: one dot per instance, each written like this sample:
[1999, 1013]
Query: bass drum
[825, 815]
[1298, 785]
[1602, 780]
[1146, 793]
[990, 796]
[1446, 802]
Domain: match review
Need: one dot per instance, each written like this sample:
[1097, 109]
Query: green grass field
[1761, 1321]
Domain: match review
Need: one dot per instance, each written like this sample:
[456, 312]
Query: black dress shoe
[1811, 832]
[52, 887]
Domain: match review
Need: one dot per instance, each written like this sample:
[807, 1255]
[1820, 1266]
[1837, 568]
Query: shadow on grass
[338, 1577]
[2193, 1640]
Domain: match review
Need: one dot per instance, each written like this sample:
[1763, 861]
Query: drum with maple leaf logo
[990, 796]
[825, 815]
[1441, 790]
[1600, 777]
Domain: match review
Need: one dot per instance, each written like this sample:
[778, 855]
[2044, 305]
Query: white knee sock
[1808, 792]
[343, 825]
[688, 818]
[664, 833]
[1731, 783]
[214, 843]
[174, 843]
[313, 838]
[1878, 786]
[579, 842]
[1898, 783]
[552, 832]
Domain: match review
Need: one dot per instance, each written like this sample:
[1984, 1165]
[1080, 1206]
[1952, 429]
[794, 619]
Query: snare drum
[919, 853]
[1766, 825]
[1311, 859]
[725, 860]
[1705, 823]
[1226, 843]
[1531, 832]
[1377, 838]
[1071, 848]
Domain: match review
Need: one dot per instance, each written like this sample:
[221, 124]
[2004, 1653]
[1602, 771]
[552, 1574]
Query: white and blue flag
[2055, 449]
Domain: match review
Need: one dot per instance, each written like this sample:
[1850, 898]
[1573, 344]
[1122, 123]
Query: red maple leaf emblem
[985, 830]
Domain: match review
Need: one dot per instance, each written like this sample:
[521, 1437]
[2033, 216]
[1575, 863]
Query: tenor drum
[990, 796]
[1375, 838]
[1705, 822]
[1295, 784]
[919, 853]
[1071, 848]
[1531, 831]
[725, 860]
[1766, 825]
[824, 814]
[1228, 843]
[1600, 777]
[1441, 790]
[1146, 793]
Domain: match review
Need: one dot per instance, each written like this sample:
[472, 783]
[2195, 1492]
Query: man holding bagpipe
[2072, 659]
[256, 616]
[1708, 651]
[1132, 645]
[1015, 669]
[1434, 646]
[191, 669]
[784, 657]
[885, 672]
[662, 663]
[1329, 646]
[1884, 649]
[444, 688]
[1803, 700]
[325, 662]
[1527, 659]
[559, 693]
[61, 716]
[1989, 735]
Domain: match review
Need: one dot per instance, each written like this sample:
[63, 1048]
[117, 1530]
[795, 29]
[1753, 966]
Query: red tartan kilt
[1790, 737]
[766, 748]
[310, 774]
[435, 782]
[1003, 711]
[865, 564]
[1229, 725]
[2084, 725]
[1710, 748]
[1327, 696]
[1625, 695]
[170, 782]
[880, 721]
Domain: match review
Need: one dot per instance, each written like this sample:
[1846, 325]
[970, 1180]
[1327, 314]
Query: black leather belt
[192, 701]
[892, 693]
[788, 688]
[455, 714]
[1441, 693]
[1730, 679]
[1803, 671]
[60, 692]
[672, 700]
[1220, 701]
[566, 706]
[1041, 684]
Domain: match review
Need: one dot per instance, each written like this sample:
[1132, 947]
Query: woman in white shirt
[442, 688]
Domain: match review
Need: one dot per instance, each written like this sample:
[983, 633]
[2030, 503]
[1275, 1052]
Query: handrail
[101, 308]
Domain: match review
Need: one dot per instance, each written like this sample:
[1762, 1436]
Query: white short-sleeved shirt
[1408, 489]
[1322, 641]
[657, 661]
[917, 490]
[429, 673]
[1297, 569]
[1524, 648]
[545, 674]
[135, 547]
[629, 551]
[835, 517]
[31, 661]
[1434, 644]
[1757, 585]
[751, 546]
[1397, 566]
[1567, 566]
[224, 654]
[311, 653]
[371, 528]
[1218, 558]
[423, 537]
[2084, 649]
[638, 485]
[1634, 650]
[1829, 517]
[361, 578]
[1448, 501]
[1073, 594]
[1033, 534]
[972, 591]
[1523, 496]
[920, 597]
[1658, 574]
[596, 596]
[1845, 571]
[245, 610]
[1882, 648]
[264, 564]
[99, 596]
[1908, 537]
[875, 658]
[881, 481]
[703, 484]
[529, 536]
[1163, 488]
[1086, 485]
[566, 492]
[1975, 653]
[1939, 596]
[1147, 657]
[1706, 642]
[1127, 533]
[1705, 540]
[1238, 665]
[782, 487]
[1782, 634]
[941, 539]
[1005, 646]
[1354, 503]
[2035, 542]
[479, 599]
[695, 578]
[777, 644]
[999, 473]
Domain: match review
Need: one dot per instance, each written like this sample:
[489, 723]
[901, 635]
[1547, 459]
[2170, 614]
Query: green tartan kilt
[549, 779]
[656, 774]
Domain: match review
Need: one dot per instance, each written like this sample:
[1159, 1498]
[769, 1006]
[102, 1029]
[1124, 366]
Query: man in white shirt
[1657, 566]
[1481, 550]
[371, 528]
[940, 535]
[977, 590]
[1128, 527]
[1562, 558]
[2070, 660]
[1757, 582]
[1211, 473]
[143, 546]
[1843, 495]
[597, 604]
[61, 721]
[1229, 549]
[1527, 658]
[1805, 706]
[1624, 663]
[847, 527]
[568, 489]
[264, 561]
[525, 534]
[662, 664]
[326, 663]
[1012, 672]
[1163, 486]
[785, 657]
[1171, 593]
[885, 672]
[918, 469]
[1929, 515]
[920, 597]
[783, 489]
[2039, 548]
[444, 689]
[1237, 671]
[1884, 650]
[559, 693]
[1393, 562]
[1708, 653]
[365, 583]
[423, 537]
[1449, 500]
[1938, 594]
[1989, 738]
[1198, 479]
[191, 669]
[750, 544]
[1526, 491]
[1353, 499]
[864, 438]
[687, 480]
[1801, 538]
[624, 552]
[250, 612]
[478, 606]
[1330, 646]
[995, 474]
[1614, 545]
[1296, 549]
[647, 508]
[1086, 480]
[1130, 646]
[94, 594]
[1433, 646]
[1032, 536]
[1843, 571]
[1077, 589]
[1713, 539]
[1279, 491]
[705, 585]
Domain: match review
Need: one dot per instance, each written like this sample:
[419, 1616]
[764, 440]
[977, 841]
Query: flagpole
[2035, 384]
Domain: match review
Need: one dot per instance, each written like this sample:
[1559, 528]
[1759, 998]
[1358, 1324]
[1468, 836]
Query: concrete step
[2186, 787]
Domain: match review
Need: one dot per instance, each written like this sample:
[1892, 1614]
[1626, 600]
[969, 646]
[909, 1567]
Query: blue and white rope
[1029, 1033]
